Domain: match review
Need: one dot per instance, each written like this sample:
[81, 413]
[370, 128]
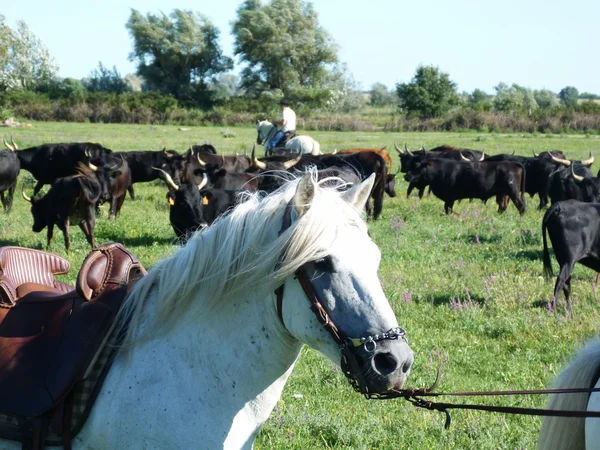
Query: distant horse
[300, 144]
[209, 345]
[569, 432]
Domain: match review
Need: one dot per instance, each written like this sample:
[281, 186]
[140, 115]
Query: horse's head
[263, 128]
[363, 334]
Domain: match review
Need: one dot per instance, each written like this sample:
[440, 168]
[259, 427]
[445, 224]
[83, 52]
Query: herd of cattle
[204, 185]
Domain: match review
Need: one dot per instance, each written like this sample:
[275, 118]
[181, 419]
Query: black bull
[141, 163]
[9, 171]
[573, 227]
[70, 198]
[49, 162]
[455, 180]
[362, 163]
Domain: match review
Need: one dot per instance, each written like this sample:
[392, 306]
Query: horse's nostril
[385, 363]
[406, 366]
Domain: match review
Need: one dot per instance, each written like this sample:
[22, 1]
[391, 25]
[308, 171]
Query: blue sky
[536, 43]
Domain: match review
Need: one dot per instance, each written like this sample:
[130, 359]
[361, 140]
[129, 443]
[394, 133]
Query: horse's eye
[324, 264]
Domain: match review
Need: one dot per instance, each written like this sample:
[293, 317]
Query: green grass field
[468, 286]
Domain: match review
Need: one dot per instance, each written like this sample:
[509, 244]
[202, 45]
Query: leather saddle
[286, 137]
[51, 338]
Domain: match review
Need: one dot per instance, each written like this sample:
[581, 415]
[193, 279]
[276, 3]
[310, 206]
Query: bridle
[268, 137]
[348, 346]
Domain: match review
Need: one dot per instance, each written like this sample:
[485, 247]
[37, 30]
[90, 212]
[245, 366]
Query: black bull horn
[564, 162]
[577, 177]
[588, 162]
[255, 161]
[25, 196]
[174, 185]
[292, 162]
[12, 147]
[168, 179]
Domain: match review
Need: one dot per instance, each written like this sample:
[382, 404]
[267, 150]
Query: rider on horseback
[287, 123]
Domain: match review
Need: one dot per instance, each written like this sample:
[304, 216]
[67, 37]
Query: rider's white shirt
[290, 120]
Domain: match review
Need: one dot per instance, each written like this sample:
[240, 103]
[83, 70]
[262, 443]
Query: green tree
[284, 48]
[514, 99]
[177, 54]
[480, 100]
[103, 79]
[431, 93]
[546, 99]
[5, 37]
[26, 62]
[226, 86]
[381, 96]
[569, 95]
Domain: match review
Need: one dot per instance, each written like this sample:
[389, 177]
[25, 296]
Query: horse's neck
[270, 135]
[215, 379]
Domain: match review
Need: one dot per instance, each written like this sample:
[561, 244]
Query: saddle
[24, 270]
[286, 137]
[53, 341]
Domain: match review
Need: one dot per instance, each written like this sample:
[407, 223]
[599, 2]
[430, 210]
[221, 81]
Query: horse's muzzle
[386, 367]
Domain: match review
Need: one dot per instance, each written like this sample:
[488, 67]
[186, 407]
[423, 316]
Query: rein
[415, 396]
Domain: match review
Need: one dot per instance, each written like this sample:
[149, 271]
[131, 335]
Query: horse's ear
[359, 194]
[305, 192]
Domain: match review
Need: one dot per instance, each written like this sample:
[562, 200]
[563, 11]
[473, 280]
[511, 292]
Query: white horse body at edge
[558, 433]
[206, 356]
[304, 144]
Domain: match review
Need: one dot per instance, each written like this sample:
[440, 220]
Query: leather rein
[415, 396]
[350, 365]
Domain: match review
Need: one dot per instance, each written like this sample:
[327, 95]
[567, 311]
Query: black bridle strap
[285, 224]
[317, 308]
[444, 407]
[315, 305]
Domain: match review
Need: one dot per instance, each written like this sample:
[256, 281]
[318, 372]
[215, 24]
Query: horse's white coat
[559, 433]
[200, 373]
[305, 144]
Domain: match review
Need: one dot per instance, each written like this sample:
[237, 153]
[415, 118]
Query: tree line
[182, 75]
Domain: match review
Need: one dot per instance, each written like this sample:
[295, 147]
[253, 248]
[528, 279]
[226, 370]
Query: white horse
[558, 433]
[302, 144]
[209, 347]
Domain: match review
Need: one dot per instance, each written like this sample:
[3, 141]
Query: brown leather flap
[110, 265]
[26, 288]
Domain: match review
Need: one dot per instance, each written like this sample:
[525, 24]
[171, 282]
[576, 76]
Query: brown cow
[390, 178]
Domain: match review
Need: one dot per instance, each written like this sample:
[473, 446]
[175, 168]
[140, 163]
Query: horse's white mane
[235, 255]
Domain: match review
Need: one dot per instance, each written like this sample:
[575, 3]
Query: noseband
[348, 346]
